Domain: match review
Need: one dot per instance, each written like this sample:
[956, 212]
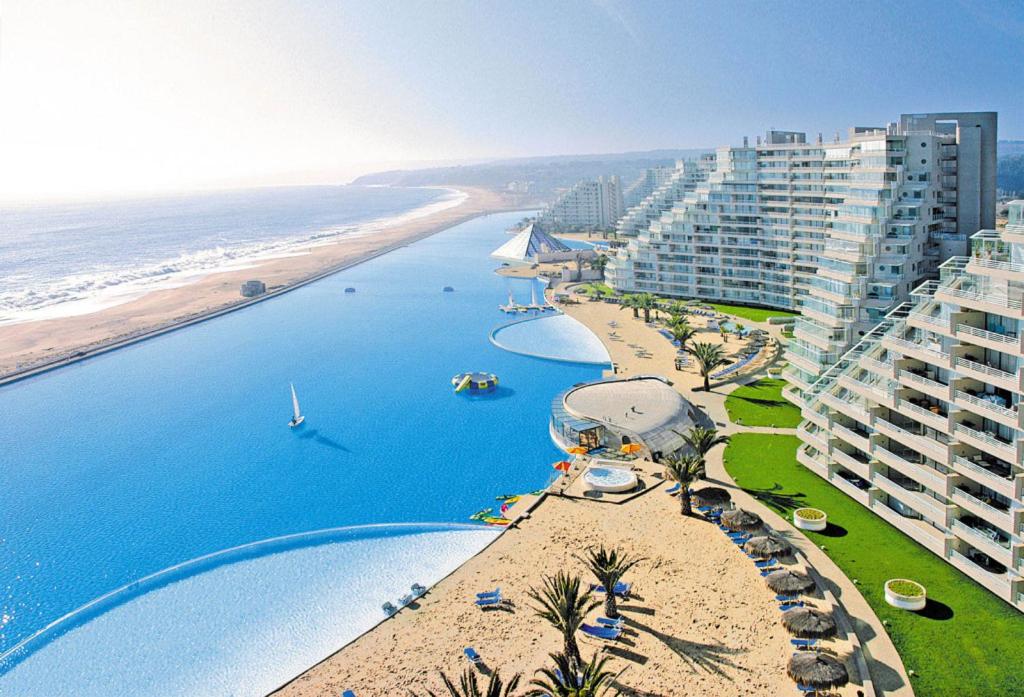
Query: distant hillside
[1007, 148]
[536, 178]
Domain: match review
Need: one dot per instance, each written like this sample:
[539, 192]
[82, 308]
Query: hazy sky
[107, 96]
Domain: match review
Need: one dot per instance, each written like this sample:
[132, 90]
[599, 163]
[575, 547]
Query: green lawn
[597, 289]
[754, 314]
[966, 642]
[761, 404]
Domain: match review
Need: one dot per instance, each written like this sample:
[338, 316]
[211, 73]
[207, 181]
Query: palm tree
[566, 680]
[677, 310]
[565, 605]
[631, 302]
[682, 332]
[647, 302]
[599, 263]
[608, 567]
[684, 469]
[709, 356]
[469, 687]
[702, 440]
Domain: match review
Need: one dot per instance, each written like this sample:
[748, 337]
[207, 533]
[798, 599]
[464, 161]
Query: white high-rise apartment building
[840, 231]
[647, 183]
[922, 420]
[589, 204]
[684, 178]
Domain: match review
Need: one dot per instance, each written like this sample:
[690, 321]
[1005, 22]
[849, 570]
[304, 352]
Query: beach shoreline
[34, 347]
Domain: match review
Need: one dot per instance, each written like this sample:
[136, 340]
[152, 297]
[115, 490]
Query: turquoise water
[132, 462]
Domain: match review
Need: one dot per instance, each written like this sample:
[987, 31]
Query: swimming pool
[140, 459]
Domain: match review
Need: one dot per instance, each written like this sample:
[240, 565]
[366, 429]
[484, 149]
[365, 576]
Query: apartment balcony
[817, 439]
[1007, 343]
[986, 539]
[999, 583]
[931, 416]
[858, 440]
[904, 463]
[989, 409]
[861, 496]
[967, 433]
[988, 509]
[922, 503]
[794, 378]
[818, 465]
[976, 299]
[931, 354]
[918, 530]
[918, 442]
[989, 375]
[870, 392]
[884, 368]
[1007, 270]
[992, 476]
[922, 383]
[930, 321]
[859, 465]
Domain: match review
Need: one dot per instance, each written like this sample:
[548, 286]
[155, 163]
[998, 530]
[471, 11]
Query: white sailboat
[533, 295]
[298, 418]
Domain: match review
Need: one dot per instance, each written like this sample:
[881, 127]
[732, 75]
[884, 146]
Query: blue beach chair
[491, 600]
[617, 622]
[490, 594]
[673, 490]
[804, 643]
[770, 570]
[609, 633]
[472, 656]
[766, 563]
[789, 606]
[621, 589]
[348, 693]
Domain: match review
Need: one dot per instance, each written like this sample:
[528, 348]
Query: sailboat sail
[295, 404]
[511, 299]
[533, 294]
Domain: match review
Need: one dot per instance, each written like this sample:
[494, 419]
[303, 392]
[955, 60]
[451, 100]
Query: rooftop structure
[529, 245]
[841, 231]
[644, 410]
[686, 176]
[922, 423]
[590, 204]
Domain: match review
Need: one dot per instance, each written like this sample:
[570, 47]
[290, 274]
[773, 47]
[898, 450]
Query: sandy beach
[33, 344]
[702, 620]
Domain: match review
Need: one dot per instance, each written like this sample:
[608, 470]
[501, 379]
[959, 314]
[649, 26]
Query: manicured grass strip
[966, 642]
[754, 314]
[598, 289]
[761, 404]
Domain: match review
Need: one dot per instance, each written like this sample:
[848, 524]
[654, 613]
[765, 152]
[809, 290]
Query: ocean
[67, 259]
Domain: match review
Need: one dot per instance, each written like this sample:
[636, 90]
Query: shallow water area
[140, 459]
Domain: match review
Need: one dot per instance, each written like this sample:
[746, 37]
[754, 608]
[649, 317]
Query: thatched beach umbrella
[765, 546]
[786, 581]
[809, 623]
[818, 670]
[739, 519]
[712, 496]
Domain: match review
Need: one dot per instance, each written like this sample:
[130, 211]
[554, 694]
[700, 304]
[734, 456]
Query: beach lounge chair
[766, 563]
[389, 609]
[770, 569]
[348, 693]
[472, 656]
[609, 633]
[804, 643]
[704, 509]
[807, 689]
[673, 490]
[489, 600]
[489, 594]
[418, 590]
[789, 606]
[617, 622]
[782, 598]
[621, 589]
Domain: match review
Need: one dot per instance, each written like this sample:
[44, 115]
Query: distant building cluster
[591, 204]
[250, 289]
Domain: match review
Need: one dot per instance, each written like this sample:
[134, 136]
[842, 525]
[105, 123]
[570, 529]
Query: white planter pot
[905, 602]
[816, 525]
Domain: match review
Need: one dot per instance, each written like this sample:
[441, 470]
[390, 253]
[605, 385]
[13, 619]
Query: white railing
[1006, 450]
[922, 413]
[977, 534]
[982, 368]
[984, 297]
[914, 346]
[975, 468]
[998, 265]
[853, 438]
[987, 335]
[963, 494]
[985, 405]
[934, 320]
[922, 380]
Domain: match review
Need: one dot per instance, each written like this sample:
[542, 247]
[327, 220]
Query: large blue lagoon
[138, 460]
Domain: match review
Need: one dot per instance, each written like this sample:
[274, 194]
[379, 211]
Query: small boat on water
[297, 417]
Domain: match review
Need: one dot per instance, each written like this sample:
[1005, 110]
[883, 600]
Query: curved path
[885, 667]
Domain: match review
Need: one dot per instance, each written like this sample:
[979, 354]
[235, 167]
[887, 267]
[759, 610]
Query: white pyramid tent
[528, 243]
